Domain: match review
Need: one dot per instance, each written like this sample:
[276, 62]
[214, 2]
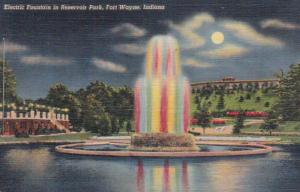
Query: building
[231, 83]
[30, 122]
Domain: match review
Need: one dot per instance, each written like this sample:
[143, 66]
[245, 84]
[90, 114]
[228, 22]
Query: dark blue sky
[76, 47]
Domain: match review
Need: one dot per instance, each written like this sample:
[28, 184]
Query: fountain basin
[113, 149]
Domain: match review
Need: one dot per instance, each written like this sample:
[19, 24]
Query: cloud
[130, 49]
[196, 63]
[108, 65]
[129, 30]
[198, 20]
[227, 51]
[44, 60]
[246, 32]
[278, 24]
[11, 47]
[188, 29]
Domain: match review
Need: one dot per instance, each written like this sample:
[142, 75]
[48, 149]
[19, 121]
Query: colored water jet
[162, 94]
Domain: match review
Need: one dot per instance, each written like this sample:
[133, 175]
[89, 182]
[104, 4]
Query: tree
[256, 86]
[60, 96]
[128, 127]
[267, 104]
[249, 87]
[197, 99]
[203, 117]
[103, 123]
[122, 104]
[9, 85]
[288, 91]
[240, 87]
[241, 99]
[98, 98]
[248, 96]
[220, 105]
[115, 125]
[92, 109]
[257, 99]
[239, 123]
[270, 123]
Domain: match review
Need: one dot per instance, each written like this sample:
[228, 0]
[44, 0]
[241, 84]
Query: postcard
[171, 96]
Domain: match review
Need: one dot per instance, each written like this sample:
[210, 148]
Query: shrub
[267, 104]
[21, 134]
[162, 140]
[248, 96]
[257, 99]
[241, 99]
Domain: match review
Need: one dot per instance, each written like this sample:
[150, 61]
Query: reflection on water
[161, 175]
[39, 168]
[21, 159]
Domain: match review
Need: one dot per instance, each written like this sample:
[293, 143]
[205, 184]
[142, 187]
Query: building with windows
[232, 83]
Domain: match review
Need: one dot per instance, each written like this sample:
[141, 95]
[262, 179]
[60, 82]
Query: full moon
[217, 37]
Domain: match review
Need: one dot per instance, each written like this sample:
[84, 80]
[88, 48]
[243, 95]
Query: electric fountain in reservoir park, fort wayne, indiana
[161, 115]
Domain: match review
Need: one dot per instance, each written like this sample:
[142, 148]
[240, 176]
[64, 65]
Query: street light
[3, 84]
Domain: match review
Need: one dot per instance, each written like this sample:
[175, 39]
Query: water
[206, 148]
[40, 168]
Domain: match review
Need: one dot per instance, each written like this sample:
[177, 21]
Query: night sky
[77, 47]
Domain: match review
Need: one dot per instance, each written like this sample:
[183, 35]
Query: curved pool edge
[260, 149]
[54, 142]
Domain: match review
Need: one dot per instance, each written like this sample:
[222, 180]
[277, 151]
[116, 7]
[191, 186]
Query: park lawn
[67, 137]
[290, 139]
[289, 126]
[231, 101]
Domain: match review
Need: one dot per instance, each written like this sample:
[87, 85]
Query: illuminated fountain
[162, 115]
[162, 95]
[162, 100]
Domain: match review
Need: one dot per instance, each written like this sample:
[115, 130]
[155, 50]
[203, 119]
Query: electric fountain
[162, 99]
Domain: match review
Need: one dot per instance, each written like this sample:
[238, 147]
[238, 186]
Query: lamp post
[3, 84]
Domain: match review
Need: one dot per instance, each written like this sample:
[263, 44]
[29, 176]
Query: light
[217, 37]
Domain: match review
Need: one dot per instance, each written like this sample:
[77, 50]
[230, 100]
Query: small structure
[30, 122]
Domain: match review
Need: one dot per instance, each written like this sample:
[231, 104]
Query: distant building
[30, 122]
[232, 83]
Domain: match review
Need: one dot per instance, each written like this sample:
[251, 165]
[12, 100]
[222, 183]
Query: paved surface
[200, 138]
[248, 139]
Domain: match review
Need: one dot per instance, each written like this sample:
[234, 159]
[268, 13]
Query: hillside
[258, 101]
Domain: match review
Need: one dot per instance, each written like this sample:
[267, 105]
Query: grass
[231, 101]
[85, 136]
[290, 139]
[73, 136]
[289, 126]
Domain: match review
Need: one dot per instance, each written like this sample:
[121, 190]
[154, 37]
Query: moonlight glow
[217, 37]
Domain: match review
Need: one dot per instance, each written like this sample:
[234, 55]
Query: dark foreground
[40, 168]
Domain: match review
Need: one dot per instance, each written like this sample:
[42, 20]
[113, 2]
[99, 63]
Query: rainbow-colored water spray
[162, 95]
